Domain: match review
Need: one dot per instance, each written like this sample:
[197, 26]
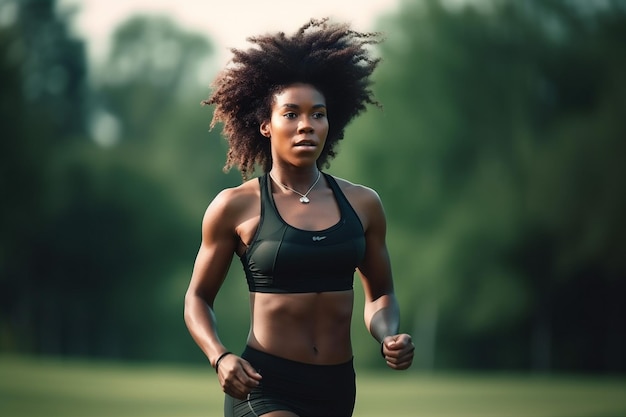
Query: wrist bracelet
[222, 356]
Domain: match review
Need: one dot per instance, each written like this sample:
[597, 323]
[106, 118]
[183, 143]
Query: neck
[299, 180]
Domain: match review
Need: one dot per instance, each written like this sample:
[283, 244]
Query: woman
[300, 233]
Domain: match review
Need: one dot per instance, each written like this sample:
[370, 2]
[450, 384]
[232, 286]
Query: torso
[310, 327]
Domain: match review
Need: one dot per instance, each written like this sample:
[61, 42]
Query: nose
[304, 125]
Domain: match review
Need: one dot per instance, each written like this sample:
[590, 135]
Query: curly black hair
[329, 56]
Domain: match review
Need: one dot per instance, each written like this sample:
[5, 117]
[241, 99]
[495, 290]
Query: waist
[310, 327]
[270, 361]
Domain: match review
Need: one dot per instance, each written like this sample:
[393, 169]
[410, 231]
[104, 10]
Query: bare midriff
[311, 328]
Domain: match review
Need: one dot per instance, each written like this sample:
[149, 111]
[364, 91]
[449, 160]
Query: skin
[311, 328]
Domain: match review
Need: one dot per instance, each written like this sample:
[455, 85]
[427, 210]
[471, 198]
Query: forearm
[382, 317]
[202, 325]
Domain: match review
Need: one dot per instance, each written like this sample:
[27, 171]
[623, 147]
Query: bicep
[375, 269]
[209, 271]
[214, 255]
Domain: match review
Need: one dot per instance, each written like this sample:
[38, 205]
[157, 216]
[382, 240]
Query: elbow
[194, 304]
[187, 309]
[190, 305]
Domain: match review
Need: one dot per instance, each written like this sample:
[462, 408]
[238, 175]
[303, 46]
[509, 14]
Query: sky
[226, 22]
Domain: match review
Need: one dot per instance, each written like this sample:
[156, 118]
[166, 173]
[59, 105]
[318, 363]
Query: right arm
[219, 241]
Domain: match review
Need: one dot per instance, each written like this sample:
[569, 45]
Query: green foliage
[152, 65]
[500, 149]
[42, 104]
[100, 235]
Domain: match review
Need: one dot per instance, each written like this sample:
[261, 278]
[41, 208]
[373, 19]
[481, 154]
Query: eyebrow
[295, 106]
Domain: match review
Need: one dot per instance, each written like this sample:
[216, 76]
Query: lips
[306, 143]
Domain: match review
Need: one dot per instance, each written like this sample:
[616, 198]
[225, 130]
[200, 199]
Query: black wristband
[222, 356]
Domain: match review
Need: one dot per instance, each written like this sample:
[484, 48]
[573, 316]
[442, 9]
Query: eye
[290, 115]
[319, 115]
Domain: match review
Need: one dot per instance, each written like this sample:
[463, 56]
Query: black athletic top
[284, 259]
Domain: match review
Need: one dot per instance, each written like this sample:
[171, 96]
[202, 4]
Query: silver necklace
[303, 197]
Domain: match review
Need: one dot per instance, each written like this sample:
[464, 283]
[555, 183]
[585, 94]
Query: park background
[499, 155]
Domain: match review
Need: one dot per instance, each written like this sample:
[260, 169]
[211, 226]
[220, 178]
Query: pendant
[304, 199]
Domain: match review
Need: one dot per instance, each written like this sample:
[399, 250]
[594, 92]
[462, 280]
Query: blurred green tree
[100, 230]
[42, 102]
[499, 156]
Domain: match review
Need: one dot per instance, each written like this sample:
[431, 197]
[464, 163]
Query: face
[298, 125]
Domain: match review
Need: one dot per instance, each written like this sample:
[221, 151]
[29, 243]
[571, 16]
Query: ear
[265, 129]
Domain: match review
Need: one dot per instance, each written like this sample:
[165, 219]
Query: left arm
[382, 313]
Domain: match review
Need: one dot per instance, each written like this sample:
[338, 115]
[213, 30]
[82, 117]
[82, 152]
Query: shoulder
[229, 204]
[232, 198]
[358, 193]
[365, 201]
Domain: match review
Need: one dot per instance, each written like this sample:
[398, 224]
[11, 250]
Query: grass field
[54, 388]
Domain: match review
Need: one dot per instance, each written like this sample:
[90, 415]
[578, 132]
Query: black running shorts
[304, 389]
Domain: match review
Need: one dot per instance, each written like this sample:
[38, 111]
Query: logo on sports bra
[318, 238]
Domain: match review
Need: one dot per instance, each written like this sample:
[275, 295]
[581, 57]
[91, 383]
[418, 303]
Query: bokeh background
[499, 155]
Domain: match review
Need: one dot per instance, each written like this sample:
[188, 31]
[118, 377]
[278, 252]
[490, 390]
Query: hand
[237, 377]
[398, 351]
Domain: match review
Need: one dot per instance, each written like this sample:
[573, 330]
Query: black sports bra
[284, 259]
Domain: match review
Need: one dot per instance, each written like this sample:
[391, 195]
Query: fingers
[250, 371]
[398, 351]
[237, 377]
